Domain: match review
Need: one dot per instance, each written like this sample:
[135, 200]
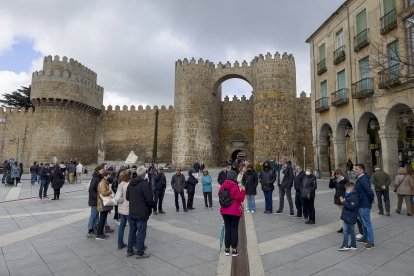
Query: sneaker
[235, 253]
[117, 222]
[251, 211]
[309, 222]
[267, 212]
[358, 236]
[144, 255]
[353, 247]
[291, 214]
[102, 237]
[278, 212]
[369, 245]
[227, 252]
[297, 216]
[129, 254]
[155, 213]
[121, 246]
[161, 212]
[362, 240]
[90, 235]
[344, 248]
[340, 230]
[185, 210]
[108, 229]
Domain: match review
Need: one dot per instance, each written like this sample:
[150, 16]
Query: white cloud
[11, 81]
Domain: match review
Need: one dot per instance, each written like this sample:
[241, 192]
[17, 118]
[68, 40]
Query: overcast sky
[133, 44]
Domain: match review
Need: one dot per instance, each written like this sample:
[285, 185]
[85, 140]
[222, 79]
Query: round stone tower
[197, 108]
[274, 106]
[68, 103]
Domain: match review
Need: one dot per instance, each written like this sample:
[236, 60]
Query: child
[349, 215]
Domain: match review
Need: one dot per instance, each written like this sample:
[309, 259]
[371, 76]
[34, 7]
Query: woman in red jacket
[231, 215]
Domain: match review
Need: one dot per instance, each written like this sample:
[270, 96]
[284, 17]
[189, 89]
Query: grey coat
[404, 184]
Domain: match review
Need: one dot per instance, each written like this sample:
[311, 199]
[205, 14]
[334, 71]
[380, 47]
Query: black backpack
[224, 198]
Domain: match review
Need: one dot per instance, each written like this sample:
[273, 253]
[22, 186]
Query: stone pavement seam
[13, 193]
[4, 257]
[405, 251]
[44, 213]
[255, 260]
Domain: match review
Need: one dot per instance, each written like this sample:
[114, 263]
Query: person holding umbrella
[231, 198]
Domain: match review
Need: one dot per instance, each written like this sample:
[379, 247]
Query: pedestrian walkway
[46, 237]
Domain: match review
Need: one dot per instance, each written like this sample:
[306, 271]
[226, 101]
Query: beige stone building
[362, 85]
[71, 123]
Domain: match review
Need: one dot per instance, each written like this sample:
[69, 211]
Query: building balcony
[388, 22]
[322, 104]
[363, 88]
[361, 40]
[339, 55]
[322, 66]
[340, 97]
[390, 77]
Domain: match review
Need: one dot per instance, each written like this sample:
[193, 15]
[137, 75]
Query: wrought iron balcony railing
[388, 21]
[363, 88]
[390, 76]
[361, 40]
[322, 104]
[340, 97]
[339, 55]
[322, 66]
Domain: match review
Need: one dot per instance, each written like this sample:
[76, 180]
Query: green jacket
[380, 178]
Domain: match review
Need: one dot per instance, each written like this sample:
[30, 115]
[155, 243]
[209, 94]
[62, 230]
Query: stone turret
[68, 103]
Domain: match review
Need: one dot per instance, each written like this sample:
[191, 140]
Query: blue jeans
[349, 230]
[123, 220]
[367, 230]
[3, 179]
[251, 203]
[93, 218]
[44, 184]
[268, 200]
[33, 178]
[137, 235]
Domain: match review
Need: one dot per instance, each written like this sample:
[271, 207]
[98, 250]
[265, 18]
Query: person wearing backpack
[231, 198]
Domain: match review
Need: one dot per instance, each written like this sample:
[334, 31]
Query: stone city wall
[304, 130]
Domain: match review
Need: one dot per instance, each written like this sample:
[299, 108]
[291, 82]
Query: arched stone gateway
[199, 118]
[326, 151]
[344, 145]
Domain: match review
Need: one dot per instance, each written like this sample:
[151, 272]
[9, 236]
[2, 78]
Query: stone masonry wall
[130, 129]
[304, 130]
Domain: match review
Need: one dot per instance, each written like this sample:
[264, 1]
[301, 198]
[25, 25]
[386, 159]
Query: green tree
[18, 99]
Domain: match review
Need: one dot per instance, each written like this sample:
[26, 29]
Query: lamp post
[17, 142]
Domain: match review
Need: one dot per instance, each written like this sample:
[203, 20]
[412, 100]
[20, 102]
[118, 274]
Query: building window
[361, 39]
[393, 53]
[324, 89]
[389, 20]
[364, 71]
[339, 54]
[340, 78]
[409, 27]
[322, 59]
[391, 76]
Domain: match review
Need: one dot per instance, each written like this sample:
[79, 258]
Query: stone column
[389, 145]
[340, 154]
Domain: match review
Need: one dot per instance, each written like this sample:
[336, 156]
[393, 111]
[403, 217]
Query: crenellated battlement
[236, 99]
[65, 76]
[285, 57]
[71, 65]
[133, 108]
[15, 111]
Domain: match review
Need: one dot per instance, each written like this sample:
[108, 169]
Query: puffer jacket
[350, 208]
[298, 180]
[57, 179]
[267, 178]
[140, 197]
[250, 182]
[405, 186]
[191, 183]
[309, 183]
[103, 190]
[339, 189]
[237, 197]
[206, 182]
[123, 208]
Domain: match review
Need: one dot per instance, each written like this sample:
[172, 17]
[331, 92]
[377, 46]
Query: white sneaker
[358, 236]
[251, 211]
[247, 209]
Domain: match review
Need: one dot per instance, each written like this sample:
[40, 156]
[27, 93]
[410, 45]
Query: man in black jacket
[267, 178]
[141, 203]
[160, 186]
[44, 180]
[223, 174]
[298, 181]
[92, 200]
[285, 183]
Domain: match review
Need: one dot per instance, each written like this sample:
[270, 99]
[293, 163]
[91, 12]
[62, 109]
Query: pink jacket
[236, 195]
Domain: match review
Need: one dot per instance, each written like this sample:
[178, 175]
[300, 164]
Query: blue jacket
[206, 182]
[350, 208]
[363, 189]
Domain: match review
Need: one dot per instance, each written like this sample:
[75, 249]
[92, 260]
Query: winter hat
[232, 175]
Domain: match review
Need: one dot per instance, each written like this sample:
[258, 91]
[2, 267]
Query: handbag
[108, 200]
[306, 193]
[395, 189]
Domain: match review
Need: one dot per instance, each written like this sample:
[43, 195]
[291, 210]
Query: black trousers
[298, 203]
[210, 199]
[182, 199]
[386, 196]
[309, 205]
[116, 214]
[158, 198]
[190, 200]
[102, 218]
[56, 193]
[231, 231]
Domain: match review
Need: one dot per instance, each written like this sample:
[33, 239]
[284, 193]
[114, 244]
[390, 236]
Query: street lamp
[17, 142]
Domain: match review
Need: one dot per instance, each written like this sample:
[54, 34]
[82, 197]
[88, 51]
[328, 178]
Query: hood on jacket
[268, 167]
[231, 175]
[137, 180]
[95, 174]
